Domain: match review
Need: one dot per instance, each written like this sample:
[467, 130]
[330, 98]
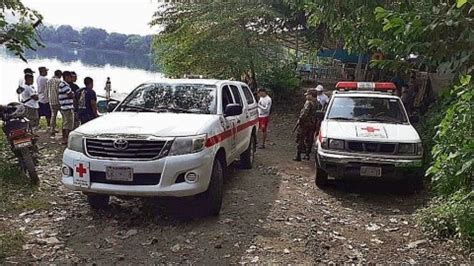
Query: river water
[126, 71]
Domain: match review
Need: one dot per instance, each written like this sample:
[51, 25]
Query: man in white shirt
[44, 108]
[323, 99]
[29, 98]
[264, 107]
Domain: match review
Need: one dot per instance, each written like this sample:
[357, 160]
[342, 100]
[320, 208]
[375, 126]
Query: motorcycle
[21, 138]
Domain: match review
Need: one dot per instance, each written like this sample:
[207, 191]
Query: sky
[122, 16]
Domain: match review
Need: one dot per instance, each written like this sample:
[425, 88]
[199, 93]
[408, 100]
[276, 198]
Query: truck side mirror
[111, 106]
[233, 109]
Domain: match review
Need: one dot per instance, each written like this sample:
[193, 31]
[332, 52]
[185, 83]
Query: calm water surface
[126, 71]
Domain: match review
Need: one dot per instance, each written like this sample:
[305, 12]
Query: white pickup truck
[366, 133]
[172, 137]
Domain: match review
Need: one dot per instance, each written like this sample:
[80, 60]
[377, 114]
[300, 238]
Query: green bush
[282, 80]
[453, 152]
[451, 213]
[451, 216]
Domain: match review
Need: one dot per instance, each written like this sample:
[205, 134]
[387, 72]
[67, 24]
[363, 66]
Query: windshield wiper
[175, 109]
[138, 108]
[342, 118]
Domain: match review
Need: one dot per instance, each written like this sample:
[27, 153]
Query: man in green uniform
[307, 125]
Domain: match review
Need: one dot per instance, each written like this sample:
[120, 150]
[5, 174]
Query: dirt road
[273, 213]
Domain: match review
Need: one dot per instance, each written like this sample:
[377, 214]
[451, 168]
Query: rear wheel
[29, 165]
[247, 158]
[211, 200]
[98, 201]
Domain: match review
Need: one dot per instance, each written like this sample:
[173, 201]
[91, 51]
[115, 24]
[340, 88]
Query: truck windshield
[366, 109]
[177, 98]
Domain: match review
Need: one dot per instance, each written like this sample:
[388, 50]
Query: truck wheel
[211, 200]
[247, 158]
[98, 201]
[321, 178]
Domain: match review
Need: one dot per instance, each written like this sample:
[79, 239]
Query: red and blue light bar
[366, 86]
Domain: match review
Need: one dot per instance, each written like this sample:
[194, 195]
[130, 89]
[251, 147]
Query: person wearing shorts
[52, 89]
[264, 107]
[66, 101]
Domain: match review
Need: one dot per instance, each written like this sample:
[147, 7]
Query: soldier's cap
[28, 75]
[311, 91]
[28, 70]
[43, 68]
[319, 88]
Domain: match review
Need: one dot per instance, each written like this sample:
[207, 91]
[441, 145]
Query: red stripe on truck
[211, 141]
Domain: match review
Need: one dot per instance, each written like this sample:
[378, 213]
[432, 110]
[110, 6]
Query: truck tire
[211, 199]
[98, 201]
[321, 178]
[29, 165]
[247, 158]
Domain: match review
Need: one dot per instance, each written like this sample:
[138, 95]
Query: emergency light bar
[366, 86]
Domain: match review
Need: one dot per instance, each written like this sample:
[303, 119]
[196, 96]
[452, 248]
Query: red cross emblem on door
[371, 129]
[81, 170]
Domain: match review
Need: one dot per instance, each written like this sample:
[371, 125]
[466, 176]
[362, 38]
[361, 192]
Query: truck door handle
[238, 121]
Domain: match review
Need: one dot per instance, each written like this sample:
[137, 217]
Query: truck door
[230, 124]
[243, 133]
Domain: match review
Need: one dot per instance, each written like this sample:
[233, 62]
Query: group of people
[58, 94]
[307, 125]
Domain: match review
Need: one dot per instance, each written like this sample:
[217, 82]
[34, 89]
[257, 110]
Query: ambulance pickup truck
[173, 138]
[366, 134]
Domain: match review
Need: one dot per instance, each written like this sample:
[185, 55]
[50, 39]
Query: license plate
[119, 173]
[20, 143]
[371, 171]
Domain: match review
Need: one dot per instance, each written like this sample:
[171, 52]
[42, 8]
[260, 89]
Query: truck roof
[192, 81]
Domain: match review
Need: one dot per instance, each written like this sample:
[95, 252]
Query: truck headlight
[186, 145]
[406, 148]
[336, 144]
[75, 142]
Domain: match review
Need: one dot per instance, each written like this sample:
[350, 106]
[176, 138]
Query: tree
[17, 31]
[48, 34]
[439, 32]
[220, 38]
[116, 41]
[67, 35]
[93, 37]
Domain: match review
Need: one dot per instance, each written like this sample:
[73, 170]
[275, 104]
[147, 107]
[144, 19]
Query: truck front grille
[135, 149]
[371, 147]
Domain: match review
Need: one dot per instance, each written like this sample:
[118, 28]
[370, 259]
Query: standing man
[87, 101]
[264, 107]
[322, 98]
[75, 90]
[52, 88]
[306, 125]
[66, 102]
[44, 108]
[29, 98]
